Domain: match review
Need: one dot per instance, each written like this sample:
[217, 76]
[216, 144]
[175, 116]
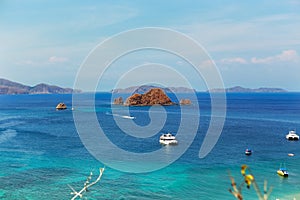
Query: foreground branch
[248, 179]
[87, 184]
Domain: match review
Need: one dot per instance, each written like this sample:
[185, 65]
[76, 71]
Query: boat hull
[168, 142]
[292, 138]
[248, 152]
[281, 173]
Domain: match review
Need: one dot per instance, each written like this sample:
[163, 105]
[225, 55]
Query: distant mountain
[239, 89]
[10, 87]
[145, 88]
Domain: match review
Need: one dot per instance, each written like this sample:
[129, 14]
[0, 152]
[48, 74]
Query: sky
[252, 43]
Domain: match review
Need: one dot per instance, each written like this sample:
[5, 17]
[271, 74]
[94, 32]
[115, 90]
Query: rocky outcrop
[185, 102]
[155, 96]
[61, 106]
[118, 101]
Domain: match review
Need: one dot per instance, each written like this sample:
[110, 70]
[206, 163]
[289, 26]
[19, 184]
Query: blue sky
[253, 43]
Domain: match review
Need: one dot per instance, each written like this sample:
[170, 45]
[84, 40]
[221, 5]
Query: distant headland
[145, 88]
[10, 87]
[239, 89]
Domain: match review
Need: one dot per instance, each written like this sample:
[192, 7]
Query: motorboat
[127, 117]
[292, 136]
[167, 139]
[248, 152]
[282, 172]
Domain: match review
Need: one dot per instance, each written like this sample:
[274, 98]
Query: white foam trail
[127, 117]
[122, 116]
[7, 135]
[5, 117]
[10, 124]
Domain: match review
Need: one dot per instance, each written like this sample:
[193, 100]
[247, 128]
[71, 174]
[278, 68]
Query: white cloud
[237, 60]
[207, 64]
[262, 33]
[42, 62]
[285, 56]
[56, 59]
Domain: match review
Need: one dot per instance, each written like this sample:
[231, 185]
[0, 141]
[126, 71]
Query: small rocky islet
[155, 96]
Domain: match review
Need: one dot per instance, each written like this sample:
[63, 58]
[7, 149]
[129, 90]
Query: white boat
[248, 152]
[167, 139]
[292, 136]
[127, 117]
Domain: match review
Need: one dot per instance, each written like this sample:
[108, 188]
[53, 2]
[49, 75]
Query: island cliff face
[155, 96]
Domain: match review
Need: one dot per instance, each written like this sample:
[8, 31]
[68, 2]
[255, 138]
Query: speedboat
[292, 136]
[248, 152]
[167, 139]
[282, 172]
[127, 117]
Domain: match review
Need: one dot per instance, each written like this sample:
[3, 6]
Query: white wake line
[7, 135]
[122, 116]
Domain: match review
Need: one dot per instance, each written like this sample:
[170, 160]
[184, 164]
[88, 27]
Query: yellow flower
[248, 180]
[243, 170]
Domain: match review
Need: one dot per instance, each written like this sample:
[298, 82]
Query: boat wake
[7, 135]
[122, 116]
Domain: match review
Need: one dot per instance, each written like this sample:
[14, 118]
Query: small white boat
[248, 152]
[292, 136]
[167, 139]
[127, 117]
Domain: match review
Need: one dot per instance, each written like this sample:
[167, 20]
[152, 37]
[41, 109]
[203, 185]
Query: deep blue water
[41, 152]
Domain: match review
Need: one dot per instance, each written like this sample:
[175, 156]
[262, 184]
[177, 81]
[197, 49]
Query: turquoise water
[41, 152]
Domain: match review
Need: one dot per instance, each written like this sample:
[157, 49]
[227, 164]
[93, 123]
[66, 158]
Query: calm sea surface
[41, 152]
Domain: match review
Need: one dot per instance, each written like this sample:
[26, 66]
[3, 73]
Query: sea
[42, 153]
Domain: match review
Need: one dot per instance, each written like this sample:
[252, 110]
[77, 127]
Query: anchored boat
[248, 152]
[167, 138]
[292, 136]
[282, 171]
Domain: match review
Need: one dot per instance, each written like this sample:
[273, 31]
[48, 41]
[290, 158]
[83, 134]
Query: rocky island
[61, 106]
[185, 102]
[155, 96]
[118, 101]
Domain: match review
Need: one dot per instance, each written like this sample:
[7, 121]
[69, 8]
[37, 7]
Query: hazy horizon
[127, 87]
[253, 44]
